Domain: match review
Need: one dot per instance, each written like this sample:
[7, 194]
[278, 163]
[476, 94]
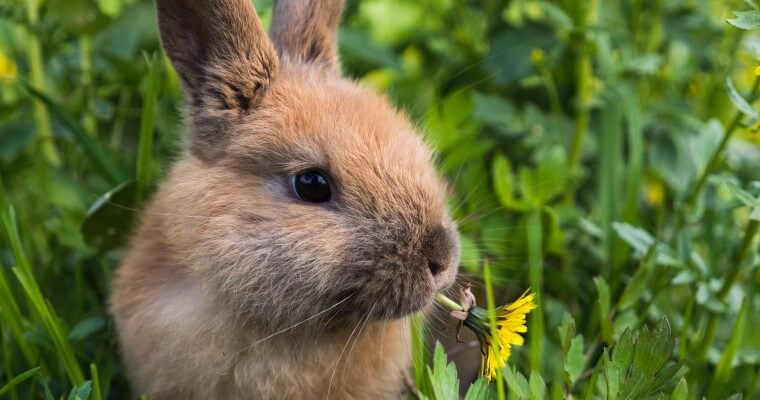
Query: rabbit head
[313, 200]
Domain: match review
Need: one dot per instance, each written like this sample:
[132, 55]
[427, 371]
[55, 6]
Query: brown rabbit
[302, 224]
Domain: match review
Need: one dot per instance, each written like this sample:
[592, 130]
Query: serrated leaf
[611, 376]
[738, 100]
[537, 386]
[644, 369]
[478, 390]
[443, 376]
[516, 383]
[574, 362]
[746, 19]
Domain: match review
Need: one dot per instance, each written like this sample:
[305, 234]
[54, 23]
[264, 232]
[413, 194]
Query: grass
[602, 153]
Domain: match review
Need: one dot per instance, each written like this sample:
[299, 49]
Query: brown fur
[233, 287]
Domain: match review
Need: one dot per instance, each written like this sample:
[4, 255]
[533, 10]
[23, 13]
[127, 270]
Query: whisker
[300, 323]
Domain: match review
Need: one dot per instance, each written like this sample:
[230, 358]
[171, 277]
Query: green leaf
[470, 257]
[85, 328]
[443, 376]
[604, 306]
[574, 362]
[110, 8]
[566, 331]
[144, 171]
[681, 391]
[746, 19]
[641, 241]
[642, 369]
[92, 148]
[726, 362]
[81, 392]
[739, 101]
[638, 283]
[479, 390]
[516, 383]
[504, 184]
[537, 386]
[548, 179]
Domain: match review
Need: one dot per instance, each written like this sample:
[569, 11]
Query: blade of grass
[97, 393]
[585, 79]
[492, 326]
[536, 279]
[420, 354]
[608, 190]
[147, 120]
[19, 379]
[37, 75]
[11, 315]
[91, 147]
[41, 308]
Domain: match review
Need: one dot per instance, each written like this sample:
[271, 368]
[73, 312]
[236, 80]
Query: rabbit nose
[437, 248]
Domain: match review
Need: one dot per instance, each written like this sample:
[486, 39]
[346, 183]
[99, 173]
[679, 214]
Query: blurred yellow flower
[537, 56]
[655, 193]
[757, 70]
[7, 67]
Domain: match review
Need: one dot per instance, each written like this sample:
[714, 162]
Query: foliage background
[601, 152]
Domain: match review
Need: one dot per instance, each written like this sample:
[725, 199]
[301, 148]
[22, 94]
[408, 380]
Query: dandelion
[495, 348]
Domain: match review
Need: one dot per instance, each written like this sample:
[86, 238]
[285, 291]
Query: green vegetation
[602, 153]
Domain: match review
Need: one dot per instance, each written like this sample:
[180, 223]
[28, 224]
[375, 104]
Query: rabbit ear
[220, 50]
[306, 31]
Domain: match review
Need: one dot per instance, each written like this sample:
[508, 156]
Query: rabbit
[301, 225]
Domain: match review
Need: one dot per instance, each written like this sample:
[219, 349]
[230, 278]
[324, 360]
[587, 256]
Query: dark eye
[312, 186]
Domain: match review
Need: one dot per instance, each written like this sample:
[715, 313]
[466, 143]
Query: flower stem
[37, 72]
[718, 153]
[585, 78]
[492, 325]
[448, 303]
[733, 274]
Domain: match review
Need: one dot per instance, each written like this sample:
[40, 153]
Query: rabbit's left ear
[306, 31]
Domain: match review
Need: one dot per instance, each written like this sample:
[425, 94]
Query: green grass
[604, 154]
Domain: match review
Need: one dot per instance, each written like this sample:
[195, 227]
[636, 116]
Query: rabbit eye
[311, 186]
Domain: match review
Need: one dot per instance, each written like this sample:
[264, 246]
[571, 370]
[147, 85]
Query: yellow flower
[510, 323]
[7, 68]
[757, 70]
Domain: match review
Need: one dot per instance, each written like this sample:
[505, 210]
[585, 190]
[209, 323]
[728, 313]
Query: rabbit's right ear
[224, 57]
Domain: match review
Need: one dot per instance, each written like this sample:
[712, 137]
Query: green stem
[585, 76]
[536, 279]
[448, 303]
[717, 155]
[85, 57]
[37, 72]
[492, 325]
[733, 274]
